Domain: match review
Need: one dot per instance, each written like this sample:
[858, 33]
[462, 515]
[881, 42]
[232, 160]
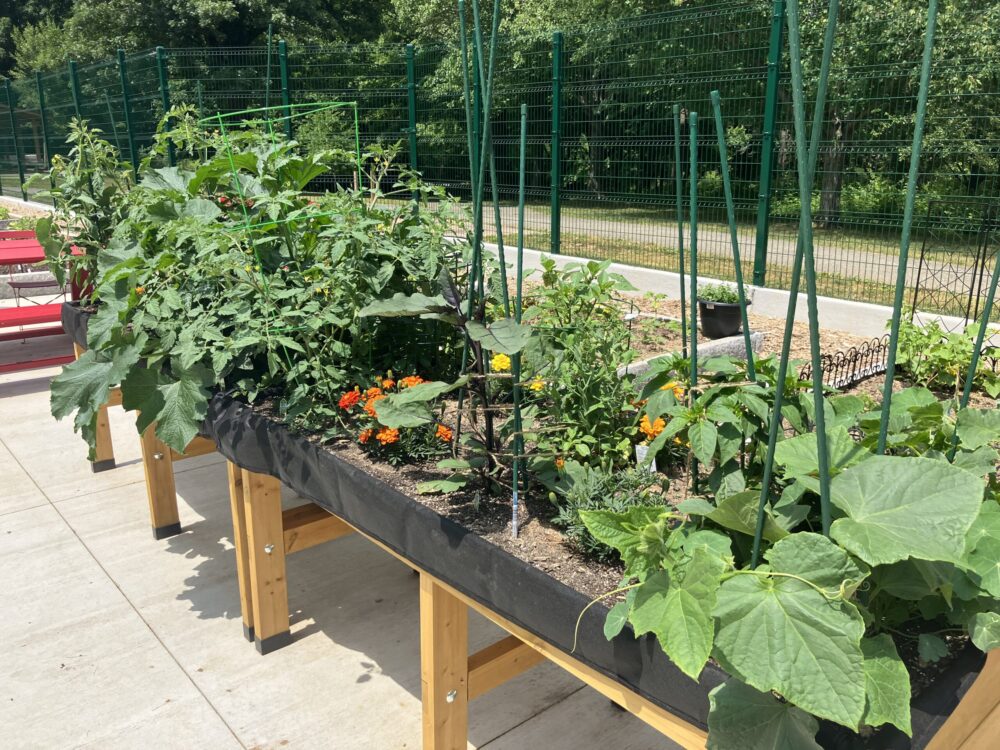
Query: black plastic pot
[719, 319]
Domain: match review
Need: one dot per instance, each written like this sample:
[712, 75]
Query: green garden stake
[805, 229]
[977, 350]
[164, 81]
[693, 181]
[679, 199]
[111, 119]
[733, 235]
[555, 143]
[693, 186]
[783, 361]
[516, 361]
[904, 242]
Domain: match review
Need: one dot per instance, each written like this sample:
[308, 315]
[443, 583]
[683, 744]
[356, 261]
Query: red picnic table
[21, 251]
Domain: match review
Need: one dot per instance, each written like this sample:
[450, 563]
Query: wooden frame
[451, 677]
[104, 451]
[158, 465]
[264, 535]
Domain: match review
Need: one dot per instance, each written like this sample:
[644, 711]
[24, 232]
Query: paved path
[836, 260]
[113, 640]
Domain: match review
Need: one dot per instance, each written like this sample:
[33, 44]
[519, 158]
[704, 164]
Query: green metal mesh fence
[600, 142]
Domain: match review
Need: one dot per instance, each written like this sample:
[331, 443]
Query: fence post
[767, 143]
[161, 71]
[127, 108]
[556, 145]
[13, 133]
[74, 86]
[411, 110]
[44, 120]
[286, 93]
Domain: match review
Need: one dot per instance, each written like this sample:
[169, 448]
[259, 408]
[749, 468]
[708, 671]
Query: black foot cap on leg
[163, 532]
[248, 632]
[273, 643]
[98, 466]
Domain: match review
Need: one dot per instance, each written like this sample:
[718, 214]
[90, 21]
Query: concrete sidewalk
[113, 640]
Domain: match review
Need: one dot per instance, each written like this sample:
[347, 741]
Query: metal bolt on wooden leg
[269, 548]
[450, 697]
[158, 456]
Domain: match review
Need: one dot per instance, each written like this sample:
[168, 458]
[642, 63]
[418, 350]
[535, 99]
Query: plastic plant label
[641, 452]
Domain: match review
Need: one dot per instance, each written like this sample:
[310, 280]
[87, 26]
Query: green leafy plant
[88, 189]
[221, 280]
[718, 293]
[813, 631]
[935, 358]
[584, 488]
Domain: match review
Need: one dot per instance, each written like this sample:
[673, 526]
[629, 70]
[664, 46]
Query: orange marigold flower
[387, 435]
[372, 393]
[560, 462]
[140, 289]
[651, 430]
[349, 399]
[677, 388]
[444, 433]
[370, 405]
[366, 435]
[410, 381]
[388, 383]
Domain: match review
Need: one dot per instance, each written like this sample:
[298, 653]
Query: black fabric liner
[74, 322]
[515, 590]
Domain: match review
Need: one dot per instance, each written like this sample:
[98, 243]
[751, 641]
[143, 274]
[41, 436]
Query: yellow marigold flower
[140, 290]
[651, 430]
[500, 363]
[537, 384]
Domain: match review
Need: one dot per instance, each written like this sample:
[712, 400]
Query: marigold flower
[388, 383]
[387, 435]
[410, 381]
[500, 363]
[651, 430]
[370, 405]
[537, 384]
[366, 435]
[349, 399]
[140, 290]
[677, 388]
[372, 393]
[444, 433]
[560, 462]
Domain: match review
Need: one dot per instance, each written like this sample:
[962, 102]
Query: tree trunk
[834, 157]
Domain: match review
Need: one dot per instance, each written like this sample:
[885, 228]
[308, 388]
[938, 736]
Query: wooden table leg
[266, 558]
[444, 667]
[240, 543]
[160, 489]
[104, 452]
